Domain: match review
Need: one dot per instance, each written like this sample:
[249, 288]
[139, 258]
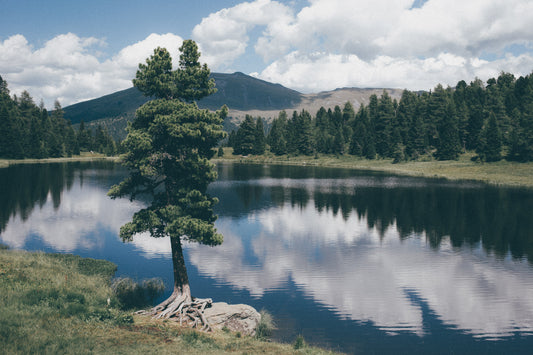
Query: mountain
[243, 94]
[238, 91]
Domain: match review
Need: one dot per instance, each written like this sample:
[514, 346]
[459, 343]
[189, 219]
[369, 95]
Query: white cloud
[378, 43]
[223, 36]
[322, 71]
[68, 67]
[324, 45]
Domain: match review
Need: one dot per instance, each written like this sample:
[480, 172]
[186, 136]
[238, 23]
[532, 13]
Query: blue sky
[77, 50]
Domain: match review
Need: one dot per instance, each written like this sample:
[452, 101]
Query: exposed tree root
[182, 309]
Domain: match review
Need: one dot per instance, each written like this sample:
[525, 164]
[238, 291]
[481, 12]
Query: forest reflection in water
[465, 213]
[350, 259]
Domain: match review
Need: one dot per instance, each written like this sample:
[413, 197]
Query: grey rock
[236, 317]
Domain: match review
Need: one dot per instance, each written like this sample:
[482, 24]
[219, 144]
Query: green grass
[64, 304]
[498, 173]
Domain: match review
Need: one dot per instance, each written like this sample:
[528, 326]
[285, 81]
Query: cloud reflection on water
[363, 276]
[362, 273]
[85, 212]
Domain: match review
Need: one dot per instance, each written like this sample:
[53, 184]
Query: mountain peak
[238, 91]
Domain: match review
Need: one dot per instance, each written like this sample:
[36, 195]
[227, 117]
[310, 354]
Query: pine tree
[305, 137]
[382, 125]
[245, 137]
[448, 141]
[276, 136]
[359, 136]
[490, 147]
[169, 145]
[259, 141]
[475, 100]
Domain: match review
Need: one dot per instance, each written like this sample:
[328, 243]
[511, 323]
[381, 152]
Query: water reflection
[352, 250]
[465, 213]
[366, 276]
[53, 204]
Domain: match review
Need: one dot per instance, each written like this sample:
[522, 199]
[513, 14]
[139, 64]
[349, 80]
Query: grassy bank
[58, 304]
[84, 156]
[498, 173]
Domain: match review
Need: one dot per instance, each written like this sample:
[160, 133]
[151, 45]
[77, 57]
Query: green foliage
[29, 131]
[445, 122]
[276, 137]
[168, 148]
[133, 295]
[190, 82]
[266, 326]
[259, 135]
[245, 137]
[191, 78]
[299, 343]
[155, 78]
[490, 145]
[448, 141]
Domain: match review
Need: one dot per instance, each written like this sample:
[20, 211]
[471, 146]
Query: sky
[73, 51]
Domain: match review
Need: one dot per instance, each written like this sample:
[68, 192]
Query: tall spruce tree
[383, 125]
[276, 136]
[448, 135]
[168, 148]
[259, 141]
[245, 137]
[490, 146]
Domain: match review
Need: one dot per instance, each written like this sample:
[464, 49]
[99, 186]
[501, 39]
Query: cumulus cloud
[223, 36]
[378, 43]
[323, 45]
[69, 68]
[325, 71]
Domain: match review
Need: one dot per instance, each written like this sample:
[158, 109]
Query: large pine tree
[168, 148]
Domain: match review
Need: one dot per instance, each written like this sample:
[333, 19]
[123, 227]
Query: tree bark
[180, 305]
[181, 280]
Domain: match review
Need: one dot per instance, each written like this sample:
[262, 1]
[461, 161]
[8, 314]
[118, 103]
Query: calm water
[353, 261]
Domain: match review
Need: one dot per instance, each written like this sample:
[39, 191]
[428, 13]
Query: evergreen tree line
[29, 131]
[495, 120]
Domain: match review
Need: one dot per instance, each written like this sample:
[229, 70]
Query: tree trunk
[180, 305]
[181, 280]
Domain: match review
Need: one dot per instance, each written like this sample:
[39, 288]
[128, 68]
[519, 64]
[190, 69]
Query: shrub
[134, 295]
[299, 343]
[265, 327]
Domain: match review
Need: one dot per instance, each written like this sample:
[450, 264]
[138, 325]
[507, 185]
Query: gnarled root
[182, 309]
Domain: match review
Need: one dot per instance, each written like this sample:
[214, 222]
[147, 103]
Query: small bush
[3, 247]
[299, 343]
[265, 327]
[134, 295]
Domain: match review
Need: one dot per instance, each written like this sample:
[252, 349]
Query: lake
[359, 262]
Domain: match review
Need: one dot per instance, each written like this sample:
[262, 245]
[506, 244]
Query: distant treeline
[494, 120]
[29, 131]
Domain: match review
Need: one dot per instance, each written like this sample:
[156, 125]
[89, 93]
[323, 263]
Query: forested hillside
[494, 120]
[237, 91]
[29, 131]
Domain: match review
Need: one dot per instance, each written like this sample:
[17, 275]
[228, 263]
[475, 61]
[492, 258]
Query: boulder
[235, 317]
